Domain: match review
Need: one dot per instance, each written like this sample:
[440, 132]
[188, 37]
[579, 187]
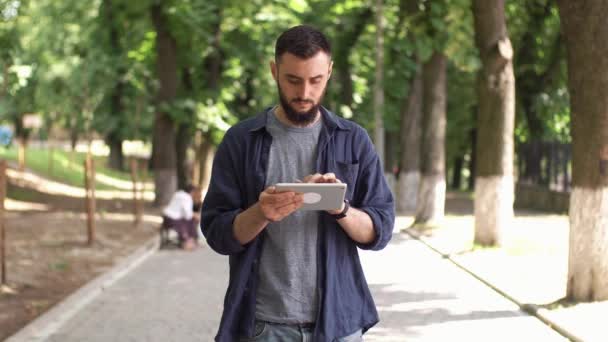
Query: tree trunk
[528, 81]
[343, 48]
[430, 208]
[494, 191]
[163, 164]
[207, 152]
[116, 157]
[182, 142]
[409, 172]
[113, 138]
[457, 173]
[379, 85]
[183, 139]
[585, 31]
[473, 159]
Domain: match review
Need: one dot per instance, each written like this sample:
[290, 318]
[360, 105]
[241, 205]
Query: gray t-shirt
[287, 287]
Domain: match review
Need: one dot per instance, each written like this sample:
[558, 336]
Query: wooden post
[136, 209]
[89, 182]
[51, 161]
[143, 181]
[2, 226]
[21, 154]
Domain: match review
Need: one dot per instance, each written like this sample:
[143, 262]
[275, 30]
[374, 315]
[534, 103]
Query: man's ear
[331, 67]
[273, 69]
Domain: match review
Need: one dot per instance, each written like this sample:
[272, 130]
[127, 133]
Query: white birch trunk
[407, 191]
[588, 255]
[493, 208]
[165, 185]
[430, 208]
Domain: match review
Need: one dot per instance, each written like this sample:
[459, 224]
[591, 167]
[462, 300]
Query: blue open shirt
[238, 178]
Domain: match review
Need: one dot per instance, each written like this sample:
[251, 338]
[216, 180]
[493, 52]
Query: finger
[298, 199]
[278, 198]
[315, 178]
[288, 209]
[329, 177]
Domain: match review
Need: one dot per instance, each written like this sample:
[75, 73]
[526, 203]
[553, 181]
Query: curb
[530, 309]
[49, 322]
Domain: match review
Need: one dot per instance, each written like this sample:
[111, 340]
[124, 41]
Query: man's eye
[292, 81]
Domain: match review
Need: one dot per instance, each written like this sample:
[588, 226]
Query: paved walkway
[173, 295]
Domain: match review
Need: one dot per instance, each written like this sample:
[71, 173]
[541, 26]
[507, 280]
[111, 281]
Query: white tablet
[317, 196]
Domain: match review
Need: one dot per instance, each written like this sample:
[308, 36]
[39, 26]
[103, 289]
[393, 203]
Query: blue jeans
[274, 332]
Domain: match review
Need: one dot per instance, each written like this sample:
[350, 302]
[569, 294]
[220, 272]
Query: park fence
[544, 171]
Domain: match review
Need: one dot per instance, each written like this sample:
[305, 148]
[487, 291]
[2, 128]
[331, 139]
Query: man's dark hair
[303, 41]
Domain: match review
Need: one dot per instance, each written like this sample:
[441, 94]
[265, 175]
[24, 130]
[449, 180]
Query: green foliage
[61, 62]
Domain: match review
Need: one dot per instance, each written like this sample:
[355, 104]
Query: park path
[174, 295]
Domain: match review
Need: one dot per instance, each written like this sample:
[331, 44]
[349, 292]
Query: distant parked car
[6, 136]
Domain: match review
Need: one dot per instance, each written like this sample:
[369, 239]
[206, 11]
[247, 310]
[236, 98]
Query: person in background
[179, 214]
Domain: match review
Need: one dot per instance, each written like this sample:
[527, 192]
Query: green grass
[68, 167]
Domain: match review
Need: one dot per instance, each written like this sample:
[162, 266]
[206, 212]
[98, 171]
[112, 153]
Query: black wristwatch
[344, 211]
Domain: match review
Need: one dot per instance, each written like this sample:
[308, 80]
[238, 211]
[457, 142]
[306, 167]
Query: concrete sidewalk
[173, 295]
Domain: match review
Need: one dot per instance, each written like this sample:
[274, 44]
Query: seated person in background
[178, 214]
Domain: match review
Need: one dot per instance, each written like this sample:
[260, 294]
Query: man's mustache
[298, 100]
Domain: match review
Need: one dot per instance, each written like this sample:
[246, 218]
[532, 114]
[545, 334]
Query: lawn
[67, 166]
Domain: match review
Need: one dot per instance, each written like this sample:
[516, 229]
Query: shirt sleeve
[223, 201]
[373, 195]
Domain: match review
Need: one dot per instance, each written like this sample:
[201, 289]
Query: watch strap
[344, 211]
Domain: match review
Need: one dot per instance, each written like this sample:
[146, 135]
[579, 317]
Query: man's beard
[296, 117]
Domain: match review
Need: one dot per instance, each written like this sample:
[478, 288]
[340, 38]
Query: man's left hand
[325, 178]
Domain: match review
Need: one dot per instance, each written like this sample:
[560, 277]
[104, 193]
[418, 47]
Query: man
[295, 275]
[180, 216]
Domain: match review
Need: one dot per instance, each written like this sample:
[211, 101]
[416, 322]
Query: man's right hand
[275, 206]
[272, 206]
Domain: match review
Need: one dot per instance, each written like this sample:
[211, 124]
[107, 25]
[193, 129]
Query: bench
[168, 237]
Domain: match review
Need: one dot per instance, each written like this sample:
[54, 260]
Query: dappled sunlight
[583, 319]
[30, 180]
[100, 177]
[117, 217]
[531, 265]
[499, 326]
[14, 205]
[421, 296]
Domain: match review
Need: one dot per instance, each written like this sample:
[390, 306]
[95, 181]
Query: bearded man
[295, 275]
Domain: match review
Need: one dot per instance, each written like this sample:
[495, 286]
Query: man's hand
[326, 178]
[275, 206]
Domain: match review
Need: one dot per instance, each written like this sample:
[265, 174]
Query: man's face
[301, 84]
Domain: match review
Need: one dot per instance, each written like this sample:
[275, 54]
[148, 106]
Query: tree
[494, 191]
[410, 113]
[409, 174]
[163, 145]
[431, 194]
[584, 27]
[379, 85]
[113, 138]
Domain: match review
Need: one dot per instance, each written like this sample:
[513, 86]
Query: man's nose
[303, 91]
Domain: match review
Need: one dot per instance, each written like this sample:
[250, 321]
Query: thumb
[271, 189]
